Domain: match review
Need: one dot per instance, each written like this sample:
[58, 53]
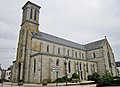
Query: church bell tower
[30, 17]
[30, 23]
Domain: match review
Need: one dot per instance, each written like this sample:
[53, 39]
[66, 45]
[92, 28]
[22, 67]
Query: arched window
[47, 48]
[35, 15]
[75, 66]
[69, 67]
[80, 66]
[94, 54]
[109, 59]
[58, 50]
[68, 52]
[31, 13]
[108, 54]
[84, 71]
[76, 54]
[87, 67]
[57, 62]
[19, 70]
[34, 65]
[80, 55]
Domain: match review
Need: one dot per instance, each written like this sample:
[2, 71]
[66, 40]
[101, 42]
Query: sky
[80, 21]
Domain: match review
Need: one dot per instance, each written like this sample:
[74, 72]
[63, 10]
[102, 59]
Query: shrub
[106, 79]
[63, 79]
[94, 77]
[59, 80]
[69, 79]
[75, 75]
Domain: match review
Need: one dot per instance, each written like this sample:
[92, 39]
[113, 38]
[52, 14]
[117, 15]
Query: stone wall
[49, 61]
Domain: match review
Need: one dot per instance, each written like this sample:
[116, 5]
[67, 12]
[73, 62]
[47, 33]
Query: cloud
[8, 55]
[84, 20]
[81, 21]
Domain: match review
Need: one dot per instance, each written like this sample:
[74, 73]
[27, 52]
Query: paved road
[7, 84]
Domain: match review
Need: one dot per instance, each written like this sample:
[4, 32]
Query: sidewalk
[63, 84]
[8, 84]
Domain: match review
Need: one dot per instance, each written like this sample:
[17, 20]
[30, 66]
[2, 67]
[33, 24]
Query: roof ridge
[61, 38]
[94, 41]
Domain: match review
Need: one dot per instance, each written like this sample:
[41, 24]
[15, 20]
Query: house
[8, 74]
[118, 68]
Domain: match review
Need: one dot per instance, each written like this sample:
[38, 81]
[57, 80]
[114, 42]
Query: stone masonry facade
[39, 53]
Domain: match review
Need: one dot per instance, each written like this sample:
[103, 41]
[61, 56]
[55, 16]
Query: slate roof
[57, 40]
[94, 45]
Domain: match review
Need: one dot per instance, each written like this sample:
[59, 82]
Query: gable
[95, 45]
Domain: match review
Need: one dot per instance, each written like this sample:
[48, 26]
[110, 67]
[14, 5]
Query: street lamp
[66, 58]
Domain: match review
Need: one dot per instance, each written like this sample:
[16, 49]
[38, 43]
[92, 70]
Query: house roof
[94, 45]
[118, 64]
[57, 40]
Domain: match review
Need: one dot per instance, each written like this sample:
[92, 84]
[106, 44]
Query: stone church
[41, 55]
